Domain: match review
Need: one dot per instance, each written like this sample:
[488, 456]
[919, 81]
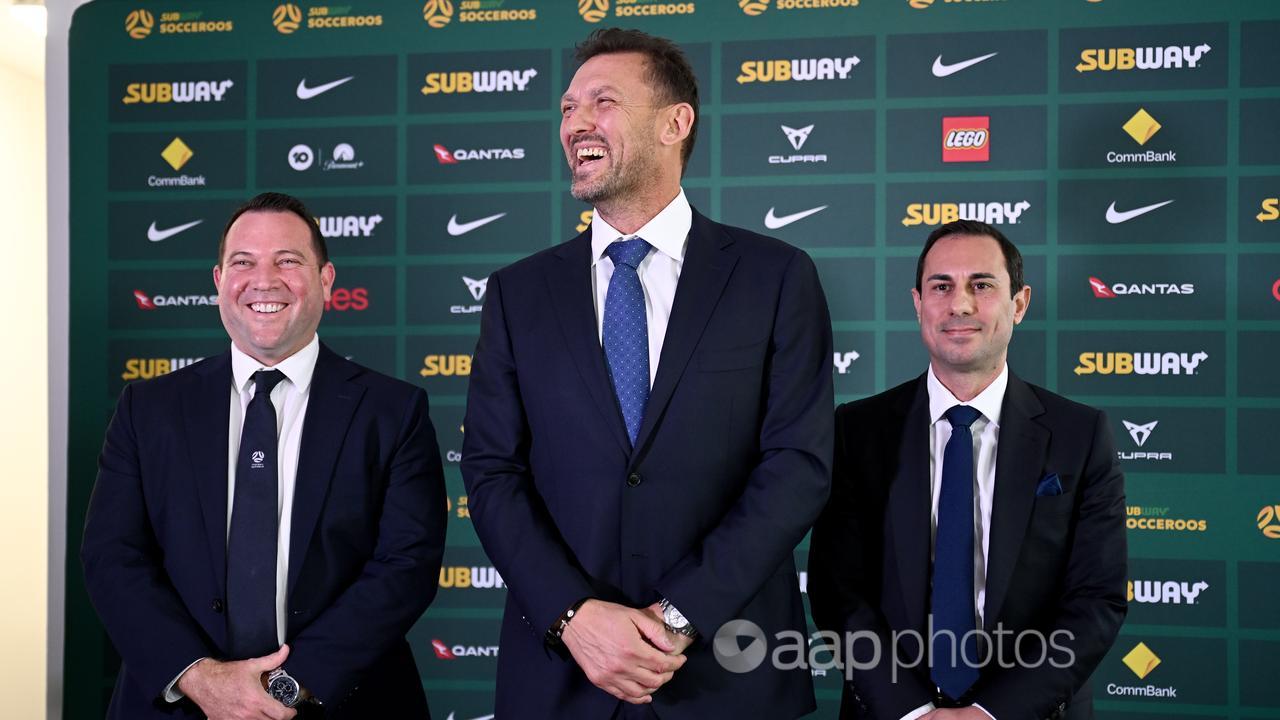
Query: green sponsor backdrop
[1132, 143]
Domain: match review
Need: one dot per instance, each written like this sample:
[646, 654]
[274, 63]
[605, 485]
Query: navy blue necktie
[251, 544]
[626, 332]
[955, 656]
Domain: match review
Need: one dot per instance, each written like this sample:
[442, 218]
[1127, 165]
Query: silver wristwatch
[282, 687]
[675, 621]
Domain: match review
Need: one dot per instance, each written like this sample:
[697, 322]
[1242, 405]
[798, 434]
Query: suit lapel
[206, 412]
[331, 403]
[1020, 456]
[910, 505]
[569, 283]
[703, 275]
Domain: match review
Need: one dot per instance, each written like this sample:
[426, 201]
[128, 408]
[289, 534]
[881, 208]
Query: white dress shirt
[986, 435]
[290, 400]
[668, 233]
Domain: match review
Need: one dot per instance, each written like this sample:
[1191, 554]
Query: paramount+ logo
[1140, 363]
[992, 213]
[1170, 57]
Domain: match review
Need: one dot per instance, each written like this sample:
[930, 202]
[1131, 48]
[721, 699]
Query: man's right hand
[233, 690]
[623, 651]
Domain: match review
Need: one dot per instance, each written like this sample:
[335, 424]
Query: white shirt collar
[297, 368]
[668, 231]
[988, 402]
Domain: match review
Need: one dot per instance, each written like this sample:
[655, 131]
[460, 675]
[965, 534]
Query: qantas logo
[1104, 291]
[798, 70]
[1115, 217]
[445, 652]
[773, 222]
[306, 93]
[1140, 433]
[348, 226]
[151, 302]
[941, 70]
[444, 156]
[456, 228]
[155, 234]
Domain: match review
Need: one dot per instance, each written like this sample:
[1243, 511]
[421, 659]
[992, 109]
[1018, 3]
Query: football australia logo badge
[286, 18]
[593, 11]
[437, 13]
[138, 24]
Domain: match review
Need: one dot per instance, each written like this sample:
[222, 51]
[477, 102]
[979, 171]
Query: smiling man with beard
[648, 424]
[268, 523]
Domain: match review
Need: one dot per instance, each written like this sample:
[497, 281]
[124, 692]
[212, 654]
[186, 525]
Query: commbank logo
[153, 302]
[1141, 363]
[797, 137]
[1141, 127]
[1140, 433]
[177, 153]
[444, 156]
[1110, 292]
[1169, 57]
[966, 139]
[480, 81]
[1141, 660]
[483, 578]
[138, 24]
[992, 213]
[344, 299]
[842, 361]
[147, 368]
[347, 226]
[197, 91]
[1166, 592]
[1270, 210]
[797, 70]
[445, 365]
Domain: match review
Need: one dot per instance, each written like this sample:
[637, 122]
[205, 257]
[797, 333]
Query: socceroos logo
[593, 11]
[1269, 521]
[1171, 57]
[755, 8]
[1142, 363]
[797, 70]
[992, 213]
[138, 24]
[437, 13]
[286, 18]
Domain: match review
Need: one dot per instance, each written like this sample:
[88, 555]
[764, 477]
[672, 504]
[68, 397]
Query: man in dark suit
[276, 493]
[975, 534]
[648, 424]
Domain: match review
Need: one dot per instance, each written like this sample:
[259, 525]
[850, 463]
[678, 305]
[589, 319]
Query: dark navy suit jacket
[1056, 562]
[731, 467]
[367, 536]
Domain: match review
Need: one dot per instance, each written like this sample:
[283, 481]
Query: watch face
[284, 689]
[674, 618]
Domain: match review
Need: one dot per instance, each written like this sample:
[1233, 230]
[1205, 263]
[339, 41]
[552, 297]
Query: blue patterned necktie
[626, 332]
[955, 655]
[251, 544]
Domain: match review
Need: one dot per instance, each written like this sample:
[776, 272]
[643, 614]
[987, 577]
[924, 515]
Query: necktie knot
[628, 252]
[266, 381]
[962, 416]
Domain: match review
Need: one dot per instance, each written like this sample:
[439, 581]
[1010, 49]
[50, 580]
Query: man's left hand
[682, 642]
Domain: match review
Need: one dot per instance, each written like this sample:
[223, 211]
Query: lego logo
[966, 139]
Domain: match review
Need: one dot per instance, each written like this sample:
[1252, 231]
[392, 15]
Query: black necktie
[251, 545]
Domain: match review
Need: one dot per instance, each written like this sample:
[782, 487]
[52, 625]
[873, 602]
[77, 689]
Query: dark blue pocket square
[1049, 486]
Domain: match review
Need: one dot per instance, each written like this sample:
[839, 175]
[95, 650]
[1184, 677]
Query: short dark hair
[670, 73]
[1012, 258]
[278, 202]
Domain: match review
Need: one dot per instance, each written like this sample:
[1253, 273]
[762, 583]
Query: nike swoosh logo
[156, 235]
[1115, 217]
[456, 228]
[773, 222]
[306, 93]
[941, 69]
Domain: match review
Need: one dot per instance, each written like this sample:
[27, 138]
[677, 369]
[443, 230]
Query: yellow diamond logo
[1141, 660]
[177, 154]
[1142, 127]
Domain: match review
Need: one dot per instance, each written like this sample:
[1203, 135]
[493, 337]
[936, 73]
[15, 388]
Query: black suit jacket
[731, 467]
[365, 546]
[1055, 563]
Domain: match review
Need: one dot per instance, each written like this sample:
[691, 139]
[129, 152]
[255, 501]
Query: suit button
[217, 605]
[634, 479]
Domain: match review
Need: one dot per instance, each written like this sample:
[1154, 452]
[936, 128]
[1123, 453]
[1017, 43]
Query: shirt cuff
[920, 712]
[984, 711]
[171, 692]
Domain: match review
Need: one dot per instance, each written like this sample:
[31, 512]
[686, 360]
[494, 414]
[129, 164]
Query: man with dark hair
[268, 523]
[648, 425]
[976, 524]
